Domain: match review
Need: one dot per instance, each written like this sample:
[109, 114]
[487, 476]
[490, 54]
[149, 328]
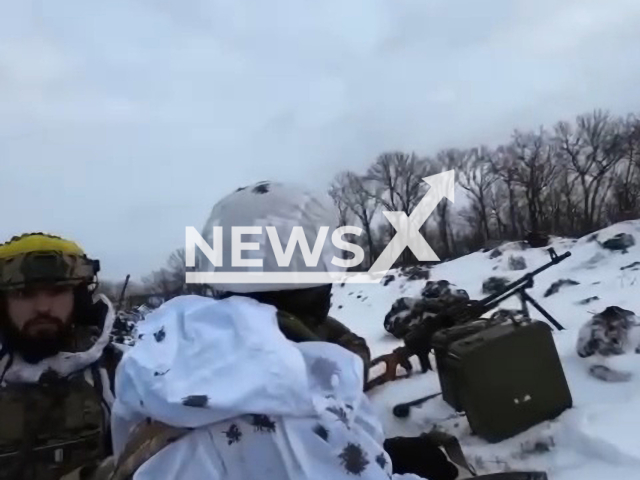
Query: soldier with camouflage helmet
[303, 308]
[56, 361]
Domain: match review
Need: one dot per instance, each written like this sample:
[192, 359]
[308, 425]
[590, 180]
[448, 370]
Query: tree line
[567, 180]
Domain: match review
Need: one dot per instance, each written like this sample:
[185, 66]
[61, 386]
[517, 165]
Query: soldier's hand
[399, 357]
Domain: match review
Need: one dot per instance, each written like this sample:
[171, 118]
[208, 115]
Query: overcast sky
[117, 118]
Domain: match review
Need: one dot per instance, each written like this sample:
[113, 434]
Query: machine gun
[418, 340]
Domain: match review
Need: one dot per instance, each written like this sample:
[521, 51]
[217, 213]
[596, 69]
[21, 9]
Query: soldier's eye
[57, 290]
[26, 293]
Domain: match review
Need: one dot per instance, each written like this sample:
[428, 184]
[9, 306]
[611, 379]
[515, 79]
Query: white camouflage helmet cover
[283, 206]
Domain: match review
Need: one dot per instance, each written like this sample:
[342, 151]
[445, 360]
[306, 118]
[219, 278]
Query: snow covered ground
[599, 438]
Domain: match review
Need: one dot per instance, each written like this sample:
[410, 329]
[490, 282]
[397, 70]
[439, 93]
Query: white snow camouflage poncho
[268, 408]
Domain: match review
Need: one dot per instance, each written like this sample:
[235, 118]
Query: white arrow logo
[408, 228]
[407, 235]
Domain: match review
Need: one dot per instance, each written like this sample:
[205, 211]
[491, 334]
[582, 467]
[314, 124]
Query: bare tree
[356, 194]
[626, 175]
[160, 281]
[170, 280]
[477, 177]
[398, 186]
[590, 151]
[498, 198]
[505, 166]
[535, 171]
[445, 160]
[398, 177]
[338, 193]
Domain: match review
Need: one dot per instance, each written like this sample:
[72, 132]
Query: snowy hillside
[598, 438]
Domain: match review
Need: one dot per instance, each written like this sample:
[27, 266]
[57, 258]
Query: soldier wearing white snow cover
[257, 383]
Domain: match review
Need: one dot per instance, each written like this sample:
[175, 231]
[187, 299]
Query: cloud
[124, 122]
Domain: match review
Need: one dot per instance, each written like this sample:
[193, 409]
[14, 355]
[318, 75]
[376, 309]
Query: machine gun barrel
[527, 278]
[419, 338]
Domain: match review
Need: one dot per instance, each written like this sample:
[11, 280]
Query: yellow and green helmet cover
[42, 258]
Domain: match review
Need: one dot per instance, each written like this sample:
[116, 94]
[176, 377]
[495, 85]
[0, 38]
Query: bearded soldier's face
[40, 318]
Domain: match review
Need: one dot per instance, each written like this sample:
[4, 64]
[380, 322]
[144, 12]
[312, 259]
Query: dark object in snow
[621, 241]
[407, 312]
[339, 306]
[398, 320]
[354, 459]
[419, 456]
[508, 315]
[402, 410]
[441, 290]
[592, 238]
[435, 289]
[160, 374]
[124, 325]
[495, 253]
[586, 301]
[388, 279]
[416, 272]
[537, 239]
[234, 435]
[198, 401]
[159, 335]
[359, 296]
[633, 265]
[517, 263]
[556, 286]
[494, 284]
[607, 333]
[527, 370]
[609, 375]
[263, 423]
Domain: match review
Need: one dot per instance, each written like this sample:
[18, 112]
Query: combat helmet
[43, 258]
[284, 206]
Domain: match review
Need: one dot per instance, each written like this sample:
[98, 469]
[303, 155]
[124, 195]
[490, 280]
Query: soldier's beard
[34, 347]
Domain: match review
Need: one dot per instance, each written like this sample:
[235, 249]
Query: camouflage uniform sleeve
[111, 359]
[328, 330]
[295, 329]
[338, 333]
